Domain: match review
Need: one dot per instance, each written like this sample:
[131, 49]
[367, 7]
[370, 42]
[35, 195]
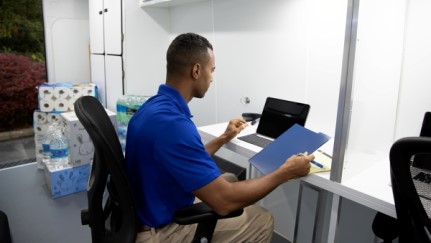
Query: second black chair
[411, 189]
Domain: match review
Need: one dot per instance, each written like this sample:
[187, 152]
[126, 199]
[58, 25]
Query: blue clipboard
[297, 139]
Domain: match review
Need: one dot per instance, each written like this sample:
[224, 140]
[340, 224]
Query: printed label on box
[81, 149]
[68, 180]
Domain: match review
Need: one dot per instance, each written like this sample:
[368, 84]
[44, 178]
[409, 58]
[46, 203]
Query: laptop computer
[277, 116]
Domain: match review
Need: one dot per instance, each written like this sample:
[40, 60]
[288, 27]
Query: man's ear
[196, 71]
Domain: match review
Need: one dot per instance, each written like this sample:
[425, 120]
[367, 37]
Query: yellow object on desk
[321, 163]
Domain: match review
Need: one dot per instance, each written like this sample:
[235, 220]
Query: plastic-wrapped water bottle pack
[126, 107]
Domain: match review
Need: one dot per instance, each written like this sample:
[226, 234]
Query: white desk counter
[33, 215]
[369, 187]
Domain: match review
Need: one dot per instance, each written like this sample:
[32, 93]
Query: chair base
[385, 227]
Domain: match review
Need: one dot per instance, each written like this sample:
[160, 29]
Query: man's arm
[234, 127]
[224, 197]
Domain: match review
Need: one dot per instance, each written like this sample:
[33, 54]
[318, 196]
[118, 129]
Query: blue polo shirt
[165, 158]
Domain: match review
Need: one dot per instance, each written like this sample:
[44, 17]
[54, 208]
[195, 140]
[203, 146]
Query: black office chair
[384, 226]
[411, 189]
[113, 218]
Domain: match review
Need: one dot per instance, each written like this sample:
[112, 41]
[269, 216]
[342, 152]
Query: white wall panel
[112, 26]
[71, 60]
[114, 80]
[98, 76]
[198, 18]
[262, 49]
[376, 84]
[66, 40]
[377, 74]
[146, 41]
[96, 19]
[415, 97]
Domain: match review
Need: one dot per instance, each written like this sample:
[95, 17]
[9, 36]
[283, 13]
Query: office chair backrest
[411, 189]
[107, 172]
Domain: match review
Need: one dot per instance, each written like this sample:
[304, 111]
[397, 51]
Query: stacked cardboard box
[73, 178]
[55, 99]
[81, 148]
[56, 104]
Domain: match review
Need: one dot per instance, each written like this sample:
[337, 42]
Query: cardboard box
[66, 180]
[81, 147]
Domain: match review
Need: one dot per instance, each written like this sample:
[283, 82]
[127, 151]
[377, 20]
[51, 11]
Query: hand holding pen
[312, 161]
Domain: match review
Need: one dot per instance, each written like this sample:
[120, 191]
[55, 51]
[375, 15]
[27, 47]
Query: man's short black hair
[186, 50]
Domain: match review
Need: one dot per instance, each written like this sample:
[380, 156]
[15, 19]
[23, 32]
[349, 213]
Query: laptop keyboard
[256, 140]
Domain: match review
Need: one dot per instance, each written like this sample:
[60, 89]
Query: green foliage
[21, 28]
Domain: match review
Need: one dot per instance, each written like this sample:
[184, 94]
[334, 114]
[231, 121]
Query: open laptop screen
[279, 115]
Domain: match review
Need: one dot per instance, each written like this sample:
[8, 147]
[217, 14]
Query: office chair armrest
[200, 212]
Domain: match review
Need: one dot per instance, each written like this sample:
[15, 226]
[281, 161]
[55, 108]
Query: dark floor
[276, 238]
[17, 151]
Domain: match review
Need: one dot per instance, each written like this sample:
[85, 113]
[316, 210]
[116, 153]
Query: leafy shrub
[19, 77]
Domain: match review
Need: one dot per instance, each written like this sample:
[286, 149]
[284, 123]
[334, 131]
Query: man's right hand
[297, 166]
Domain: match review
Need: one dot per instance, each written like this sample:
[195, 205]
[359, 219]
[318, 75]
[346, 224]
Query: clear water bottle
[59, 148]
[46, 152]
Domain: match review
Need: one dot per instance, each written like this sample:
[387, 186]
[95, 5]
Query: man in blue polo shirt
[168, 166]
